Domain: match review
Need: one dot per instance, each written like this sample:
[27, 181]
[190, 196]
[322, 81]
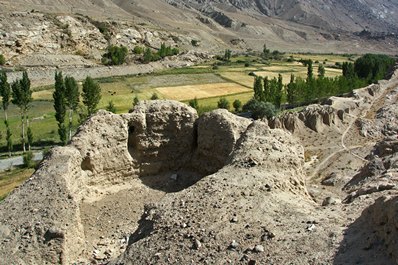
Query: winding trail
[349, 149]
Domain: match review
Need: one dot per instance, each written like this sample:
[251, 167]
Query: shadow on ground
[361, 245]
[171, 182]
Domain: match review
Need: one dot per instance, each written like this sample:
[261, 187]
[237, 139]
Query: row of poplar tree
[66, 100]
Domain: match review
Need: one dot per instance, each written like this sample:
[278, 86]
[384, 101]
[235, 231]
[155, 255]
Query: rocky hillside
[375, 16]
[162, 185]
[85, 28]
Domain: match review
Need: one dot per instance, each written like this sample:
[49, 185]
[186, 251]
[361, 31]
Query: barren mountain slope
[332, 15]
[321, 26]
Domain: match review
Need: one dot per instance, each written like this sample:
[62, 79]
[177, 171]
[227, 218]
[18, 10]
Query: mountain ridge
[358, 26]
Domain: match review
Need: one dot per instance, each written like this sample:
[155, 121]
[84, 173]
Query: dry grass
[241, 78]
[285, 76]
[201, 91]
[43, 95]
[212, 102]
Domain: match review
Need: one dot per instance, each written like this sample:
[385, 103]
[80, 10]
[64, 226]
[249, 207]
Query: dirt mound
[160, 147]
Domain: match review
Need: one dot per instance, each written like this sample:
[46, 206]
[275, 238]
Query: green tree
[223, 103]
[111, 107]
[266, 52]
[310, 71]
[115, 55]
[60, 106]
[373, 67]
[22, 97]
[91, 95]
[163, 50]
[237, 104]
[148, 56]
[9, 139]
[273, 90]
[278, 92]
[227, 55]
[30, 137]
[2, 59]
[258, 88]
[348, 70]
[291, 91]
[175, 51]
[72, 97]
[266, 91]
[154, 96]
[194, 103]
[5, 93]
[260, 109]
[321, 71]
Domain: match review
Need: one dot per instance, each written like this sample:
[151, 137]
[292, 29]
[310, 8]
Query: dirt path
[344, 148]
[45, 76]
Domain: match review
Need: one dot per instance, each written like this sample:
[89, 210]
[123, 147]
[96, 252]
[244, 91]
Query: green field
[205, 82]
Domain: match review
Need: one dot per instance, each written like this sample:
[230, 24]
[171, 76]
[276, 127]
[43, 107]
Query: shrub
[111, 107]
[2, 59]
[237, 105]
[148, 56]
[195, 43]
[135, 100]
[223, 103]
[115, 55]
[154, 96]
[260, 109]
[28, 160]
[194, 103]
[138, 50]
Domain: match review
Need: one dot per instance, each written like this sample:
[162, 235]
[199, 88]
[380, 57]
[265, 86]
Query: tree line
[301, 91]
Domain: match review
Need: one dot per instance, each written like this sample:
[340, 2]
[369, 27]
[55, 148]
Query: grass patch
[9, 180]
[211, 102]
